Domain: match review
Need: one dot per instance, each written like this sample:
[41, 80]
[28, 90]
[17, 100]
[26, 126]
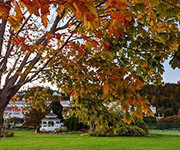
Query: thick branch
[2, 30]
[171, 3]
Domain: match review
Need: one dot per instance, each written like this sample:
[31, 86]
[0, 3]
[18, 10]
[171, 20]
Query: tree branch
[171, 3]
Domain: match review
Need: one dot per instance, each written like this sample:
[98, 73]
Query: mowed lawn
[27, 140]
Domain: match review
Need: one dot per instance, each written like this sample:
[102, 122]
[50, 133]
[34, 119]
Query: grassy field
[27, 140]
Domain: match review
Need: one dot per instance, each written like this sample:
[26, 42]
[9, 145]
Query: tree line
[165, 97]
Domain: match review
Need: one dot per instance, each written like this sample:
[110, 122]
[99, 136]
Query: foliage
[85, 46]
[168, 112]
[33, 118]
[131, 131]
[141, 124]
[165, 97]
[148, 119]
[7, 133]
[37, 97]
[125, 130]
[120, 63]
[15, 120]
[170, 119]
[62, 129]
[56, 106]
[73, 124]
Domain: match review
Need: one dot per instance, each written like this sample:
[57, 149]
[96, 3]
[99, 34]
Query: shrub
[125, 130]
[141, 124]
[63, 129]
[43, 131]
[56, 130]
[168, 112]
[149, 119]
[170, 119]
[129, 130]
[7, 133]
[73, 124]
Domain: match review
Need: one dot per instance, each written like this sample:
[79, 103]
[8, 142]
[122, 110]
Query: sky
[170, 75]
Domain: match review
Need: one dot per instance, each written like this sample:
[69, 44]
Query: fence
[164, 126]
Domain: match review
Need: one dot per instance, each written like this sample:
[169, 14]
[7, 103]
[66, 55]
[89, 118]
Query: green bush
[43, 131]
[73, 124]
[129, 130]
[141, 124]
[149, 119]
[7, 133]
[101, 133]
[56, 130]
[124, 130]
[63, 129]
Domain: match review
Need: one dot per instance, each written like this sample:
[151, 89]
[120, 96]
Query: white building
[15, 109]
[50, 122]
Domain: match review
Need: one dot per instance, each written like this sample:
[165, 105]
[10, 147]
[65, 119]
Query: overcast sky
[170, 75]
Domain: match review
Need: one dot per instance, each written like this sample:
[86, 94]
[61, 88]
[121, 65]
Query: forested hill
[165, 97]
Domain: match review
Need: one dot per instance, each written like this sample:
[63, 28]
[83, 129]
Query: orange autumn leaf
[32, 6]
[26, 47]
[107, 45]
[138, 84]
[4, 11]
[18, 11]
[132, 88]
[115, 77]
[60, 98]
[105, 89]
[44, 20]
[16, 109]
[119, 17]
[73, 45]
[138, 112]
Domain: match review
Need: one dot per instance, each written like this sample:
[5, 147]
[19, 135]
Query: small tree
[57, 108]
[33, 117]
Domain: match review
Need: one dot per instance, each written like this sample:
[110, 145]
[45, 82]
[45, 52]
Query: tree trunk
[5, 96]
[1, 119]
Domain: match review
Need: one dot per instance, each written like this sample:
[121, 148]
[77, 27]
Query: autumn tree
[84, 46]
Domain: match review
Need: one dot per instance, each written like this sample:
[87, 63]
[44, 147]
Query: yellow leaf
[14, 23]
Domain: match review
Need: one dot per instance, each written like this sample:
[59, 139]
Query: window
[50, 124]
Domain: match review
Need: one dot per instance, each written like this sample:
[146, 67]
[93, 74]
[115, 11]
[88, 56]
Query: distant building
[153, 109]
[17, 109]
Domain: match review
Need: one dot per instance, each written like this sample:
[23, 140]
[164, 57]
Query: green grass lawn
[27, 140]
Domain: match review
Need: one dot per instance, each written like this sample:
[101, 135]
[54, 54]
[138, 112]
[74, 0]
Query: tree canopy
[115, 46]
